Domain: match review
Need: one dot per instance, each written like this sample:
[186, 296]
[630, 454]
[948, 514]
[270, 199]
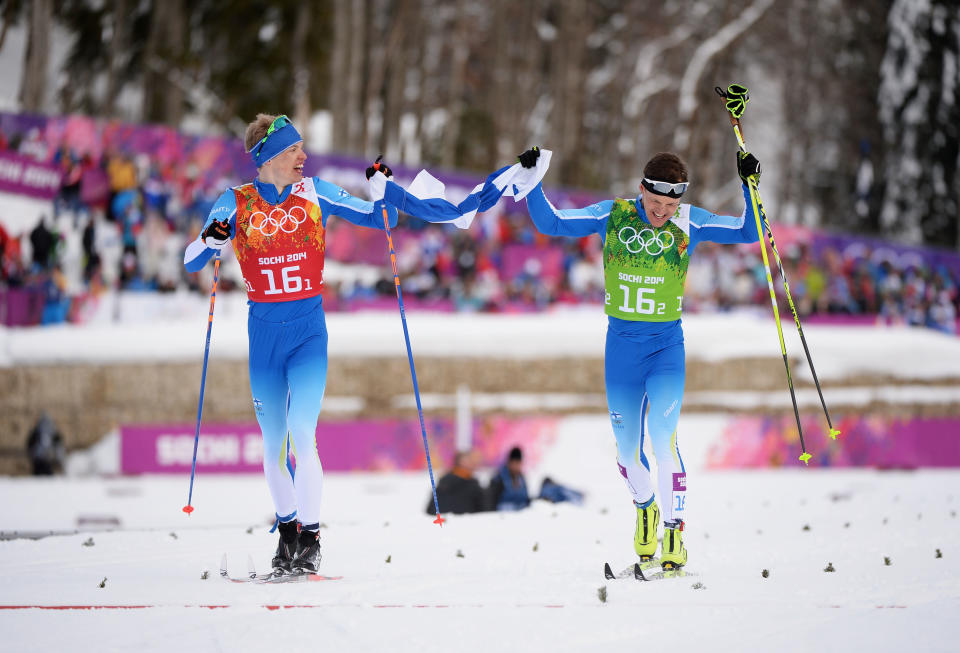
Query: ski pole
[413, 372]
[203, 382]
[796, 317]
[736, 109]
[735, 121]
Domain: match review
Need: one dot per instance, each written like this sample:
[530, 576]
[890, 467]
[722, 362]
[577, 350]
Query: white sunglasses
[666, 188]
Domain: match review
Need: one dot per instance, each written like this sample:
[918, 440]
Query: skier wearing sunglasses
[647, 245]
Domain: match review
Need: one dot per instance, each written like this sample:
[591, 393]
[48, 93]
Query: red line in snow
[277, 606]
[268, 607]
[98, 607]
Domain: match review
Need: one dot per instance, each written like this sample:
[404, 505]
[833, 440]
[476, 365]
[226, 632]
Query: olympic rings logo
[278, 220]
[646, 239]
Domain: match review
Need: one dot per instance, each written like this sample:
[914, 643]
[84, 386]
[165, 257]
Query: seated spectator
[45, 447]
[458, 491]
[508, 489]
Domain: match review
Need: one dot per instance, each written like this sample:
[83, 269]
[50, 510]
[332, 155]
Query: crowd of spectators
[121, 221]
[856, 283]
[504, 264]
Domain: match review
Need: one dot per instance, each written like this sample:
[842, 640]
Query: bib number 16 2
[645, 304]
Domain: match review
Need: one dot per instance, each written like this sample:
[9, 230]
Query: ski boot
[645, 537]
[307, 560]
[286, 548]
[673, 554]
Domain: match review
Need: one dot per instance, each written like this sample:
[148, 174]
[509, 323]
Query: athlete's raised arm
[334, 200]
[707, 226]
[566, 222]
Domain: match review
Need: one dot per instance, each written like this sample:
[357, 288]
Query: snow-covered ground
[525, 581]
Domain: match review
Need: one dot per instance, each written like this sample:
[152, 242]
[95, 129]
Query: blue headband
[276, 143]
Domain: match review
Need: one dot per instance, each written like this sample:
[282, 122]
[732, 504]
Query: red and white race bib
[280, 247]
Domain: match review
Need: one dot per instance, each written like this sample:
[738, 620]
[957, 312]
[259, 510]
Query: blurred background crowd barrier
[121, 201]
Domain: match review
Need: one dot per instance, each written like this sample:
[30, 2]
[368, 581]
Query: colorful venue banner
[25, 176]
[882, 442]
[206, 160]
[353, 445]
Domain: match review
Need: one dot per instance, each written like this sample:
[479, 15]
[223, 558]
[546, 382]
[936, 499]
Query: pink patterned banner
[25, 176]
[887, 443]
[360, 445]
[168, 448]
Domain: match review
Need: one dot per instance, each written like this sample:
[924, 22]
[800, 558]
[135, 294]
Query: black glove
[529, 158]
[748, 167]
[218, 230]
[379, 167]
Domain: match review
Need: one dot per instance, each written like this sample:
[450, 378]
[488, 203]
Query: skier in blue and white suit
[277, 227]
[648, 242]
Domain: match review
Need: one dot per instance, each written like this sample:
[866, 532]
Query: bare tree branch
[644, 83]
[698, 63]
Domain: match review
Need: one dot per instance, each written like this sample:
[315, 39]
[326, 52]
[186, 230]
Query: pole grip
[734, 121]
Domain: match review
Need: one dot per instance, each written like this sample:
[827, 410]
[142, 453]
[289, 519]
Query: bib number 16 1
[292, 282]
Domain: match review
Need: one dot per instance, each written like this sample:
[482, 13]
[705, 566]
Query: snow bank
[898, 352]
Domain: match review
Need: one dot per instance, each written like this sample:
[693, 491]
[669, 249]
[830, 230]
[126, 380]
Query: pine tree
[920, 111]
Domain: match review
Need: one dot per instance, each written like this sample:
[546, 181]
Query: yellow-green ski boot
[645, 537]
[673, 554]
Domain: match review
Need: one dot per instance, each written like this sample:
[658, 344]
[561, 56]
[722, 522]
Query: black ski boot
[307, 560]
[287, 547]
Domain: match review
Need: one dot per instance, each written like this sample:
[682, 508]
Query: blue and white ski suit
[644, 360]
[288, 339]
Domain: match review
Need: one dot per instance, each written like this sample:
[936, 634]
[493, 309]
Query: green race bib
[644, 268]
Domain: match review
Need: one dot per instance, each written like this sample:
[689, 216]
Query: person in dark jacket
[45, 447]
[508, 489]
[458, 491]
